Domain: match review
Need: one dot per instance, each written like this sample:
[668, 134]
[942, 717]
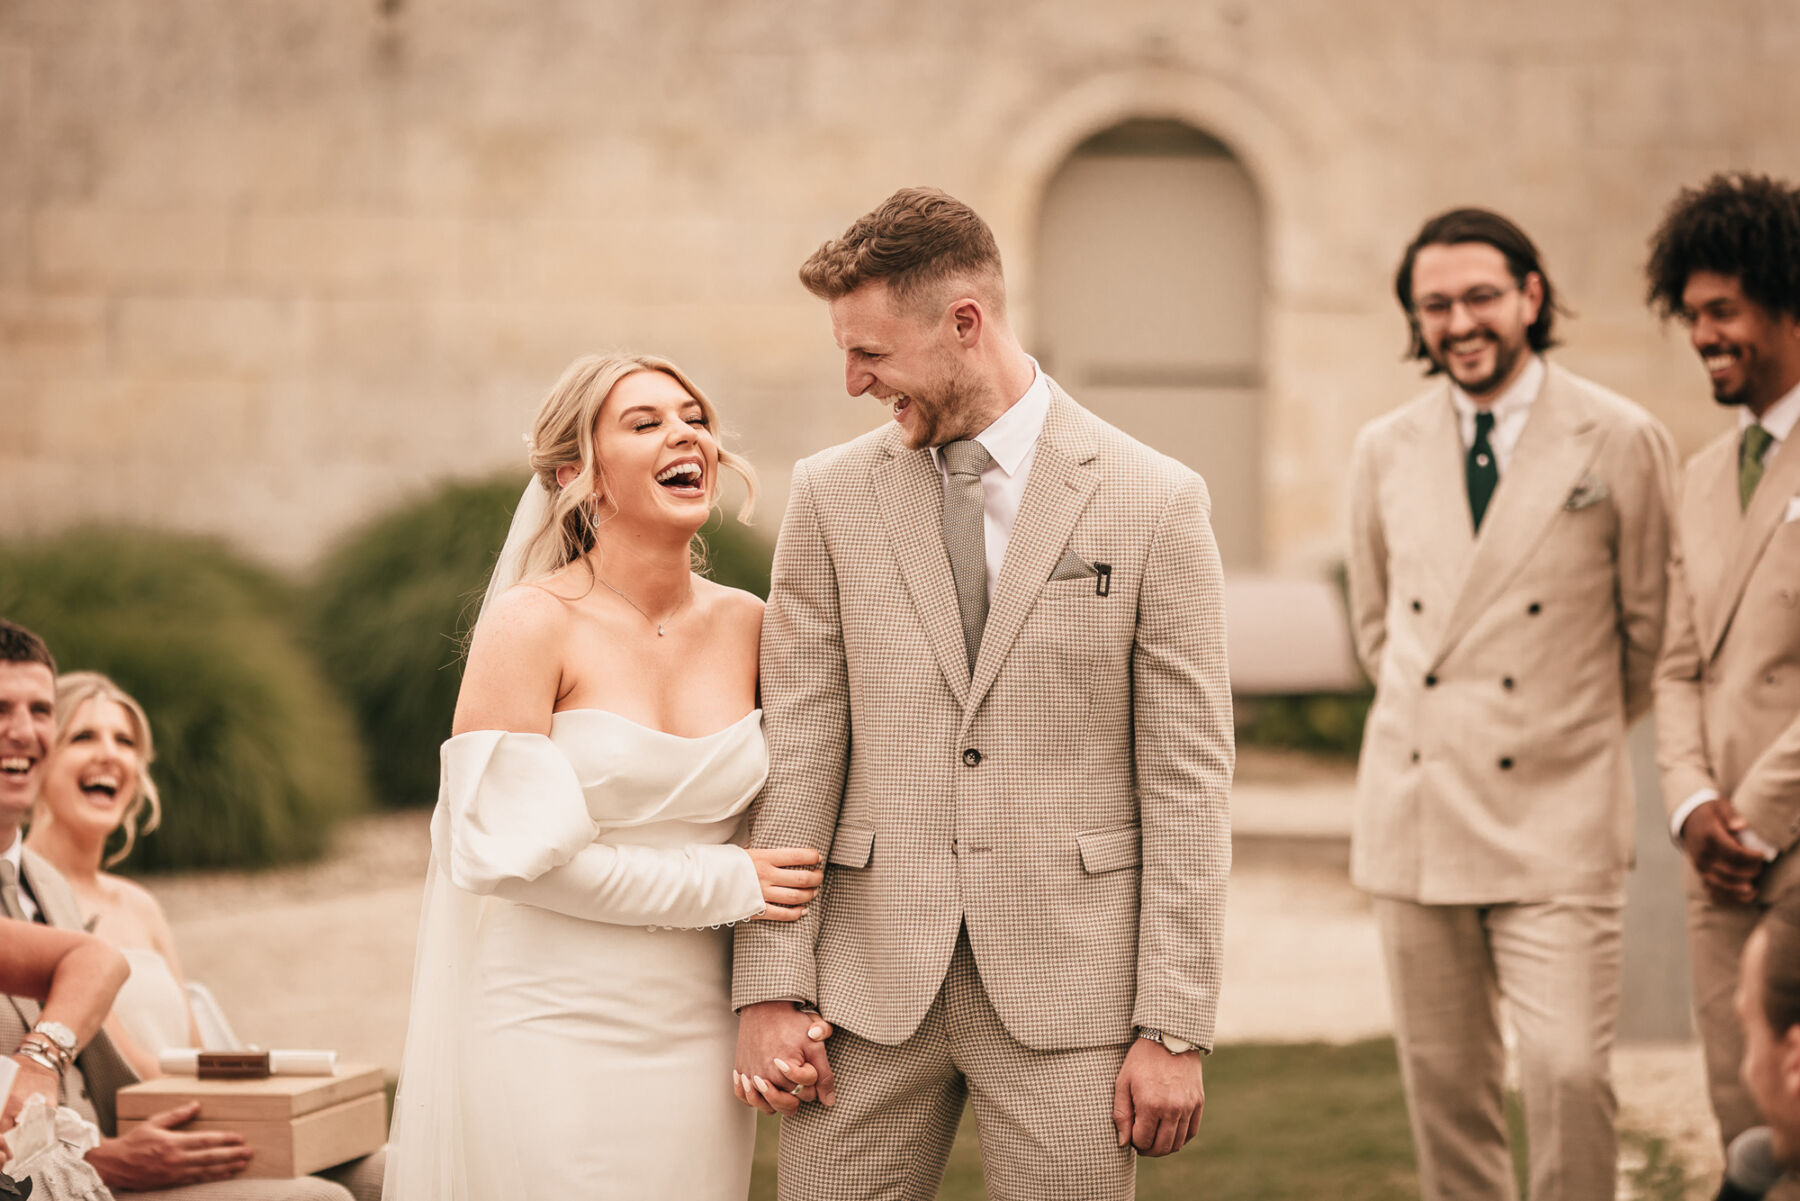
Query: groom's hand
[1158, 1099]
[781, 1047]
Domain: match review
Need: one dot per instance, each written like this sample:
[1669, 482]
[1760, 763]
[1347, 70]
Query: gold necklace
[660, 633]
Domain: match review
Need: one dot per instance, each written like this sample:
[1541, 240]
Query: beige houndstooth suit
[100, 1072]
[1066, 807]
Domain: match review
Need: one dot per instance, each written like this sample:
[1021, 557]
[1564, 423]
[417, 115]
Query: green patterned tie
[1750, 461]
[1481, 468]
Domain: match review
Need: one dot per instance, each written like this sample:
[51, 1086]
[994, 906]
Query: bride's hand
[790, 877]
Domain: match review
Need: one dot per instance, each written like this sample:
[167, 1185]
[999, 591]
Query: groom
[993, 670]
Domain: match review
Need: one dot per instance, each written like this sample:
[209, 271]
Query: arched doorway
[1150, 300]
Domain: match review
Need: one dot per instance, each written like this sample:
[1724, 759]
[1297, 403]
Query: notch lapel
[910, 493]
[1059, 488]
[1781, 480]
[1557, 444]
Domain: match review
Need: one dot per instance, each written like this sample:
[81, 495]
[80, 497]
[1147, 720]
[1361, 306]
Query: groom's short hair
[20, 645]
[915, 241]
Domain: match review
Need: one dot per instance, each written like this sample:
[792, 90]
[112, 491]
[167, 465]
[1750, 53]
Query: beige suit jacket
[1728, 686]
[100, 1070]
[1068, 803]
[1507, 666]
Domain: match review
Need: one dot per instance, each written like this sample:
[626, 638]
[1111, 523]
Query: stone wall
[268, 265]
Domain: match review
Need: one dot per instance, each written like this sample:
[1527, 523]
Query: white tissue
[41, 1130]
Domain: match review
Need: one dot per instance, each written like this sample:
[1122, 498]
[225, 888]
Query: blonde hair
[563, 435]
[75, 689]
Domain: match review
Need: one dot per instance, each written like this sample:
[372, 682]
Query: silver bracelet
[31, 1052]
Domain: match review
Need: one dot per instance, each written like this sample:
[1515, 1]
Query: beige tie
[9, 890]
[965, 537]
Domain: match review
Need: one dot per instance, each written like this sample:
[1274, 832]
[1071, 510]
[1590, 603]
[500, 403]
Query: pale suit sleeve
[512, 821]
[1185, 754]
[1680, 715]
[806, 708]
[1367, 566]
[1646, 503]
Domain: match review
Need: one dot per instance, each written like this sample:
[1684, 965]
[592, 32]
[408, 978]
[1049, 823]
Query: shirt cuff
[1680, 816]
[1756, 842]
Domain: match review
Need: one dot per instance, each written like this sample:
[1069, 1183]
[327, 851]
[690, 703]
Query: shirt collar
[1516, 399]
[1015, 432]
[15, 854]
[1780, 418]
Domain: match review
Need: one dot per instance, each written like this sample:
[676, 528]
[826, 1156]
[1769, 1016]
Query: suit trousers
[1044, 1117]
[1556, 965]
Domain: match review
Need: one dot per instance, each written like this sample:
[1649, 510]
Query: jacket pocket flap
[1110, 850]
[851, 847]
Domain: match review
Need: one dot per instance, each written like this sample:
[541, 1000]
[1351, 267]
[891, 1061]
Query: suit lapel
[1557, 444]
[1757, 524]
[910, 494]
[1435, 459]
[1057, 490]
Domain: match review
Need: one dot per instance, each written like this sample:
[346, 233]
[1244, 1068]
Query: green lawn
[1282, 1122]
[1289, 1121]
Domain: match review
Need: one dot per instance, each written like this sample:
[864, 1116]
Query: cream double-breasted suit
[90, 1087]
[1728, 711]
[1025, 861]
[1494, 805]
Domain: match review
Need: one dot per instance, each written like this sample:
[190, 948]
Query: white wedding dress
[571, 1032]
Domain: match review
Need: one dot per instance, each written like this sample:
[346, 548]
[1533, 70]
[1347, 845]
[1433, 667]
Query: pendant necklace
[660, 633]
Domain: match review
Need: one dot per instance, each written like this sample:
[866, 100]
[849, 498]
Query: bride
[571, 1032]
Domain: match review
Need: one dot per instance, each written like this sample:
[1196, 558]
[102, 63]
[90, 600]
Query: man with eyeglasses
[1726, 263]
[1510, 530]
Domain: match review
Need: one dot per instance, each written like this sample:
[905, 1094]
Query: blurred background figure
[1768, 1006]
[98, 784]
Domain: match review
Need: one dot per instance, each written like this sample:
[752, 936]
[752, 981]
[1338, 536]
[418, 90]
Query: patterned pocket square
[1073, 567]
[1793, 510]
[1591, 490]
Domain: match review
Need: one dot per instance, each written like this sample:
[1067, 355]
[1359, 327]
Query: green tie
[1483, 472]
[1750, 461]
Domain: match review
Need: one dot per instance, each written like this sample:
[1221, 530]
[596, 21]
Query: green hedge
[393, 603]
[1326, 722]
[256, 757]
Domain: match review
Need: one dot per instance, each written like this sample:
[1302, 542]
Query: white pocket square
[1793, 510]
[1591, 490]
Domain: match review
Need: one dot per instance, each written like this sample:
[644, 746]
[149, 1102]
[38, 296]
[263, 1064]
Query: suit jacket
[1728, 686]
[100, 1071]
[1508, 665]
[1068, 803]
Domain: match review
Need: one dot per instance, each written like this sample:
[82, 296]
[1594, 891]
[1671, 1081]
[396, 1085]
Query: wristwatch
[1171, 1044]
[61, 1035]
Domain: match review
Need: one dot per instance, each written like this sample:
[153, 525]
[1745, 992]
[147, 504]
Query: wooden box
[295, 1125]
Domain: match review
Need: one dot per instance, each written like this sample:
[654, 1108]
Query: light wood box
[295, 1125]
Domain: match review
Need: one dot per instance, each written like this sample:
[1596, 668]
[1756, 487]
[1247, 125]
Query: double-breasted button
[1417, 607]
[1507, 683]
[1534, 608]
[972, 758]
[1431, 681]
[1415, 756]
[1506, 763]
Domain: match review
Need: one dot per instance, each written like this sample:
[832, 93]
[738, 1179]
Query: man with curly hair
[1726, 263]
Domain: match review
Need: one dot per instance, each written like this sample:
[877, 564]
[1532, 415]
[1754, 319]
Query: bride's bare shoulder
[729, 603]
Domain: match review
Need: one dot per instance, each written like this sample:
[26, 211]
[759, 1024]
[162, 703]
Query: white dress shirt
[1511, 409]
[1779, 420]
[15, 855]
[1011, 441]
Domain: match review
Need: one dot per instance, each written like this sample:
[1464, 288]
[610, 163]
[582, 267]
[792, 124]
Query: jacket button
[1417, 607]
[1534, 608]
[1506, 763]
[1507, 683]
[972, 757]
[1415, 756]
[1431, 681]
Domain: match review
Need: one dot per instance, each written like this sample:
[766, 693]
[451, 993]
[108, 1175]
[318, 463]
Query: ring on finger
[796, 1089]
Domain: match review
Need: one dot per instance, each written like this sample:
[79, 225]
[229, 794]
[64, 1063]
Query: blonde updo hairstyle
[563, 435]
[74, 690]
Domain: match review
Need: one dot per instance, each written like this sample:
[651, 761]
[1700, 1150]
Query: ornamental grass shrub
[393, 603]
[257, 757]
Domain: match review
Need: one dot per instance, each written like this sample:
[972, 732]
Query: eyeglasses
[1481, 302]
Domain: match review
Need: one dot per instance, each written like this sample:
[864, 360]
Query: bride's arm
[513, 814]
